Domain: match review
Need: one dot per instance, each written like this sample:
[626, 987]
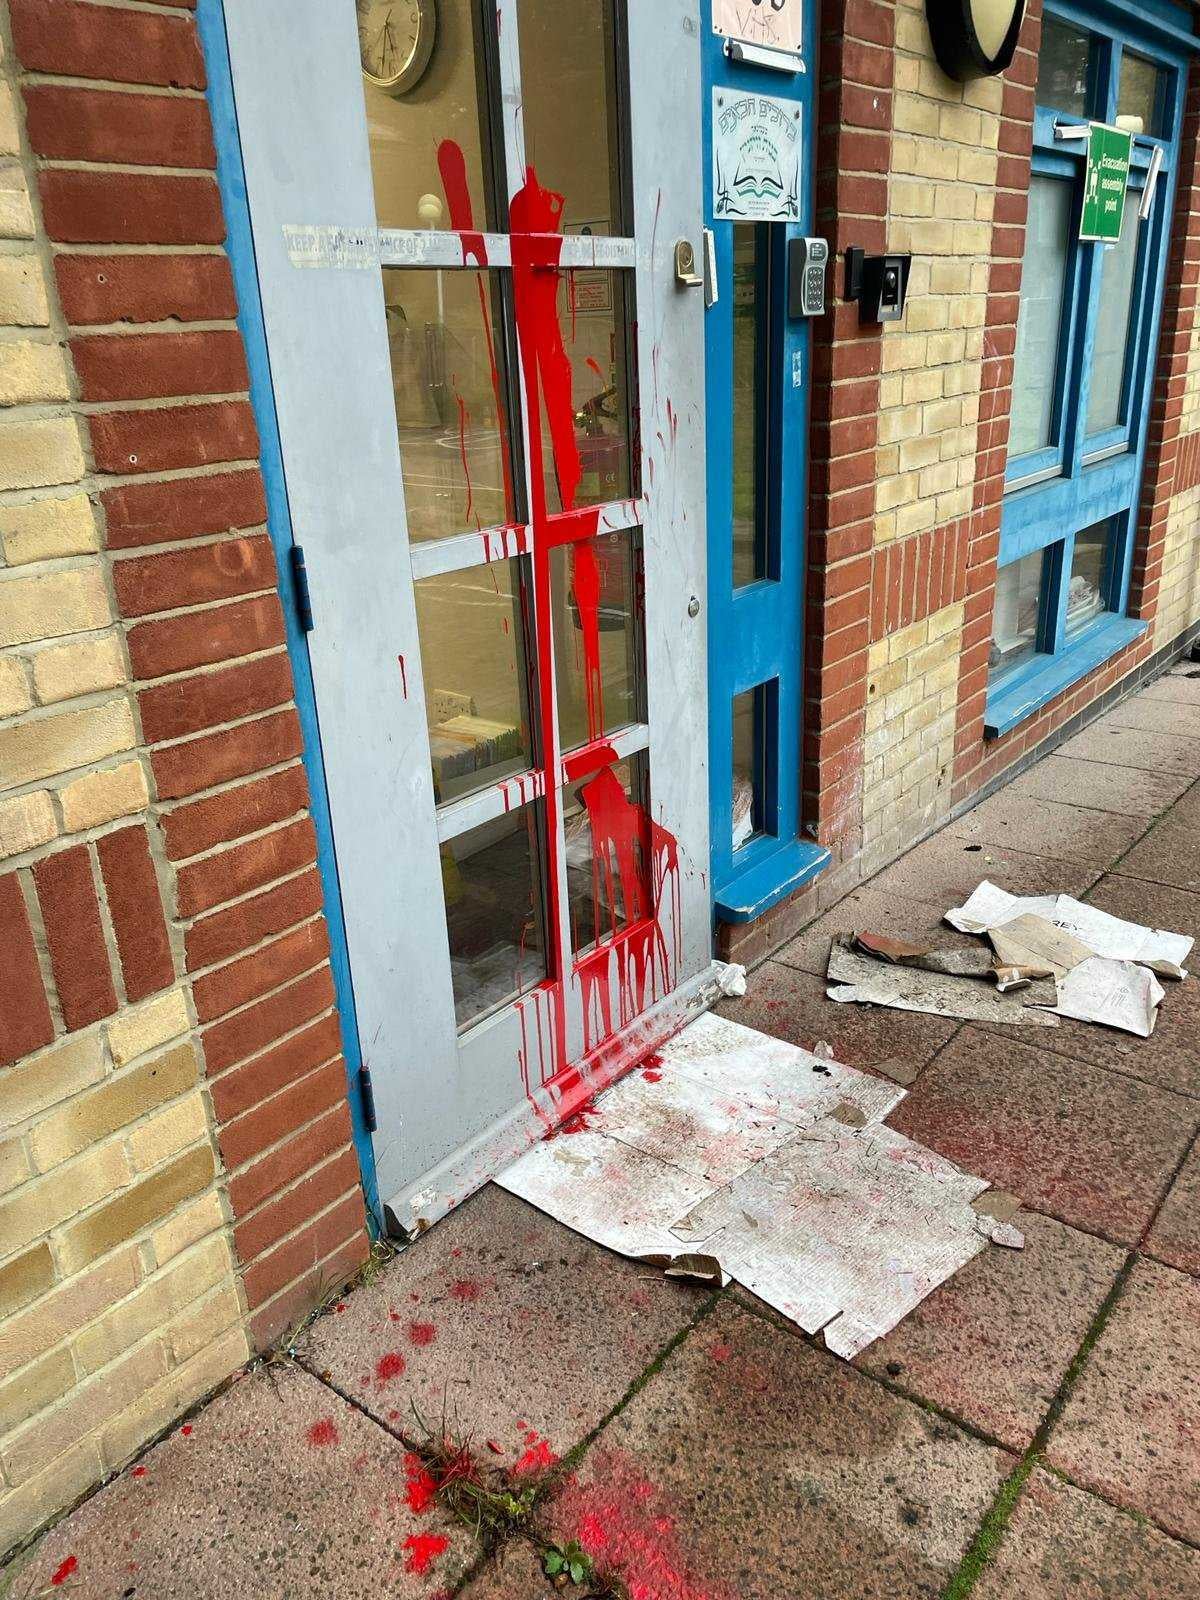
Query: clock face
[395, 39]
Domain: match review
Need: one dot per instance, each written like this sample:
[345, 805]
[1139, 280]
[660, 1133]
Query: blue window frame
[757, 386]
[1086, 342]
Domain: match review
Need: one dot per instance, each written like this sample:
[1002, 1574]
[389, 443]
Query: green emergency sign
[1108, 155]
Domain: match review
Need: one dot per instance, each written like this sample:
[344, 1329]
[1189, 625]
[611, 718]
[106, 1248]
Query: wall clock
[974, 38]
[395, 41]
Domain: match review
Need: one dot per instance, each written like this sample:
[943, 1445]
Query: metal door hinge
[367, 1091]
[300, 588]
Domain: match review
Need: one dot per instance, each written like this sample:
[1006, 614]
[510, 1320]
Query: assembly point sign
[1107, 181]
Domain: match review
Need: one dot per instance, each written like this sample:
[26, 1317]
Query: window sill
[1039, 683]
[753, 892]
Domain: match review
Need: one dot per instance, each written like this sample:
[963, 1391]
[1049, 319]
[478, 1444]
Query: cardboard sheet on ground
[775, 1162]
[857, 979]
[1104, 935]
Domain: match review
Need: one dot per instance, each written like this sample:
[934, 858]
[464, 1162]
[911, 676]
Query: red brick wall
[130, 202]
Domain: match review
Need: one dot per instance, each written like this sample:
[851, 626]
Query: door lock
[685, 265]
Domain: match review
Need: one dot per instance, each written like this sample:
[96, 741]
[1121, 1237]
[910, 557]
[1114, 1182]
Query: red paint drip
[422, 1333]
[421, 1488]
[594, 365]
[64, 1571]
[423, 1549]
[466, 1289]
[403, 680]
[323, 1433]
[389, 1366]
[453, 167]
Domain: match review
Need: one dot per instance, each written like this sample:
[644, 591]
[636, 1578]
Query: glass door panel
[430, 85]
[595, 326]
[1040, 319]
[450, 376]
[1118, 277]
[595, 593]
[571, 69]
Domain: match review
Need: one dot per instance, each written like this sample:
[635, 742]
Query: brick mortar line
[44, 77]
[123, 169]
[267, 994]
[283, 1239]
[271, 1045]
[149, 404]
[202, 669]
[196, 973]
[325, 1164]
[171, 547]
[278, 1144]
[193, 919]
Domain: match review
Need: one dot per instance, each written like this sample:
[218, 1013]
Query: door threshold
[417, 1206]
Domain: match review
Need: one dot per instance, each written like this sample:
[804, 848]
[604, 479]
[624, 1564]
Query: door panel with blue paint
[759, 92]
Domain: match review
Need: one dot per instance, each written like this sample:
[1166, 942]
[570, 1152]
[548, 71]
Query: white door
[489, 385]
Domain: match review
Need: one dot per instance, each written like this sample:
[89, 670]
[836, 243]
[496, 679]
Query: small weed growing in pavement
[567, 1563]
[480, 1497]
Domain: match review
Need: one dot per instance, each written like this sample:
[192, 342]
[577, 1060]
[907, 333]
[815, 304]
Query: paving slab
[1179, 685]
[1130, 791]
[520, 1333]
[792, 1005]
[1135, 747]
[1089, 1147]
[869, 910]
[1048, 828]
[755, 1466]
[1131, 1429]
[1187, 807]
[513, 1573]
[1175, 1236]
[1158, 905]
[1169, 1058]
[946, 870]
[278, 1489]
[993, 1344]
[1062, 1544]
[1154, 716]
[1170, 853]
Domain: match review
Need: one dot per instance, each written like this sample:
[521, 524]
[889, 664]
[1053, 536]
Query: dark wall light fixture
[974, 38]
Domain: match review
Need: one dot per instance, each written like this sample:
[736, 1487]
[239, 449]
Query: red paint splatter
[652, 1075]
[64, 1571]
[340, 1307]
[138, 1472]
[422, 1333]
[394, 1315]
[720, 1352]
[323, 1433]
[423, 1549]
[626, 1525]
[421, 1488]
[389, 1366]
[466, 1289]
[186, 1430]
[538, 1458]
[581, 1122]
[595, 367]
[404, 686]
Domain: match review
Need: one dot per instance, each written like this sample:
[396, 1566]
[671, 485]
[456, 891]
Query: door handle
[685, 265]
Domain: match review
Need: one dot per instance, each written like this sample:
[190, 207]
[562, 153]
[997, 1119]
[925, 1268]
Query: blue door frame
[756, 632]
[239, 246]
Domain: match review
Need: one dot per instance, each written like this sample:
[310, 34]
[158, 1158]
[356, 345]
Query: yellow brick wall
[119, 1303]
[908, 753]
[1179, 589]
[940, 197]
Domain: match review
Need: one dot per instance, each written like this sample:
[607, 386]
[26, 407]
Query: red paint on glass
[595, 367]
[466, 1289]
[422, 1333]
[323, 1433]
[64, 1571]
[423, 1550]
[389, 1366]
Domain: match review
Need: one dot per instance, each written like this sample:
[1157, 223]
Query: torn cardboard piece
[1104, 935]
[1036, 948]
[965, 963]
[856, 979]
[842, 1224]
[1118, 994]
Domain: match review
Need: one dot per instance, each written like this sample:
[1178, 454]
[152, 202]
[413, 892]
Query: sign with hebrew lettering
[777, 24]
[756, 157]
[1106, 183]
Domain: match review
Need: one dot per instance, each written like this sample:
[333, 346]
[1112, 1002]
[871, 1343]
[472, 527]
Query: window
[1086, 330]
